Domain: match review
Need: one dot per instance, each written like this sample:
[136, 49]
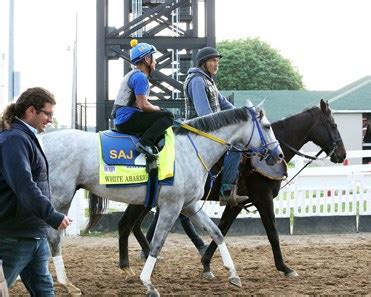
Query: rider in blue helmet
[140, 51]
[132, 112]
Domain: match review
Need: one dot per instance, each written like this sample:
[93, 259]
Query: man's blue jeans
[230, 167]
[29, 259]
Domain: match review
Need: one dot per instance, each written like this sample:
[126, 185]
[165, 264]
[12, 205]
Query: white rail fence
[317, 191]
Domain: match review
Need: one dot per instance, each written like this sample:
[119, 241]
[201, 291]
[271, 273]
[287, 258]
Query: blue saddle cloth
[119, 149]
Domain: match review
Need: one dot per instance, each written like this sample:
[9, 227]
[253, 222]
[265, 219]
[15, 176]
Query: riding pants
[150, 126]
[230, 167]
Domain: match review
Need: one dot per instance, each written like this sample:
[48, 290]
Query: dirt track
[330, 265]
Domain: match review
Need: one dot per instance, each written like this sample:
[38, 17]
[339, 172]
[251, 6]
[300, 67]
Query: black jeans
[149, 126]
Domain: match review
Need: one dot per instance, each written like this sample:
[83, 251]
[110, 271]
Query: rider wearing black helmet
[202, 97]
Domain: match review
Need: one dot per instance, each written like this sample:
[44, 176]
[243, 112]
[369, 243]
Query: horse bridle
[262, 151]
[333, 142]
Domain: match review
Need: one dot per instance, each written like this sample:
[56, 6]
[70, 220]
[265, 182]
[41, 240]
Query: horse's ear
[260, 105]
[249, 103]
[324, 106]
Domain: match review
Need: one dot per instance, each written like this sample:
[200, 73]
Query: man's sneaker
[229, 196]
[145, 149]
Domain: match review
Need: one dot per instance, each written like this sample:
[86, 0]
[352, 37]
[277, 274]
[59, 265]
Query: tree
[251, 64]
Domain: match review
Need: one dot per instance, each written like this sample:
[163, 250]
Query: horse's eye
[267, 126]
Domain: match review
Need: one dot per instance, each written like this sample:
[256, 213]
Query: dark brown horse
[315, 124]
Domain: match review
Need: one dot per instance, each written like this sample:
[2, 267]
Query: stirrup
[145, 149]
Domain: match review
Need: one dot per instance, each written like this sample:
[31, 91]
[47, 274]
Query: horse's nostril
[281, 156]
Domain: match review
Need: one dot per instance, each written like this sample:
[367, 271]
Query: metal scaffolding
[172, 26]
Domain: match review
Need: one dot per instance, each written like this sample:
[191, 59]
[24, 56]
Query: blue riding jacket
[25, 207]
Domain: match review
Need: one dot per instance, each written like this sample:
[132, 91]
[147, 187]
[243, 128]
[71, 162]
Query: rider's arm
[197, 93]
[145, 105]
[224, 103]
[140, 86]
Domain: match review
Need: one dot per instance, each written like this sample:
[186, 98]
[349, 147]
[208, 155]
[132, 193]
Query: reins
[204, 134]
[213, 177]
[311, 160]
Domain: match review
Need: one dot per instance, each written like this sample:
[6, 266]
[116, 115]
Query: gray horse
[74, 162]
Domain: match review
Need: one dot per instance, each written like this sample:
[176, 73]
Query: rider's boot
[151, 154]
[145, 149]
[228, 195]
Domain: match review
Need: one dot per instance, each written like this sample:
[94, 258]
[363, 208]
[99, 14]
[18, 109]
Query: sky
[328, 41]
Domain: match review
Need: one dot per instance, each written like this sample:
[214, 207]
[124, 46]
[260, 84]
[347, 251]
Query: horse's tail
[97, 207]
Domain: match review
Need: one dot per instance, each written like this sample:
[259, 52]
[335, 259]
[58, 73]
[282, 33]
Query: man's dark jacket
[25, 208]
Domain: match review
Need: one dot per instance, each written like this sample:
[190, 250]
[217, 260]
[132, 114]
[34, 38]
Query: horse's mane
[281, 123]
[216, 120]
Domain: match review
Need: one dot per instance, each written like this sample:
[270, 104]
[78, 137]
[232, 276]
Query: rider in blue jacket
[202, 97]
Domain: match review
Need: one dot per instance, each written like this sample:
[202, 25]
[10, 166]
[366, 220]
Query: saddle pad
[119, 149]
[121, 164]
[275, 172]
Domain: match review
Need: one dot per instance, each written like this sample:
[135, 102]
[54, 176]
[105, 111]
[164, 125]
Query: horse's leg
[229, 215]
[132, 216]
[191, 232]
[263, 201]
[54, 239]
[141, 238]
[201, 219]
[62, 196]
[166, 220]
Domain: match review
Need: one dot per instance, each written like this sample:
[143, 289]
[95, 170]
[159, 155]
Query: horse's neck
[294, 131]
[210, 150]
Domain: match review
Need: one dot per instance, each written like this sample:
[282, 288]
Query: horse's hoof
[153, 293]
[208, 275]
[292, 274]
[128, 272]
[73, 290]
[235, 281]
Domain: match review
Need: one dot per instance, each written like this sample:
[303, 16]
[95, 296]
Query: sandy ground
[326, 264]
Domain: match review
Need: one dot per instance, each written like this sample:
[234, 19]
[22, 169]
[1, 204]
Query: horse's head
[327, 136]
[262, 140]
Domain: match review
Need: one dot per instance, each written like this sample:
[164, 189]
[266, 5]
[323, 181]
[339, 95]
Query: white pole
[11, 53]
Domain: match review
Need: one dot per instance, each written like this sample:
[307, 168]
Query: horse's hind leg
[140, 237]
[167, 217]
[54, 239]
[201, 219]
[132, 217]
[59, 194]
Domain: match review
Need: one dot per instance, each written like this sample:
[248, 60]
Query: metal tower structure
[177, 28]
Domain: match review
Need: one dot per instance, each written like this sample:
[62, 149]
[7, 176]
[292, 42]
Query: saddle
[121, 163]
